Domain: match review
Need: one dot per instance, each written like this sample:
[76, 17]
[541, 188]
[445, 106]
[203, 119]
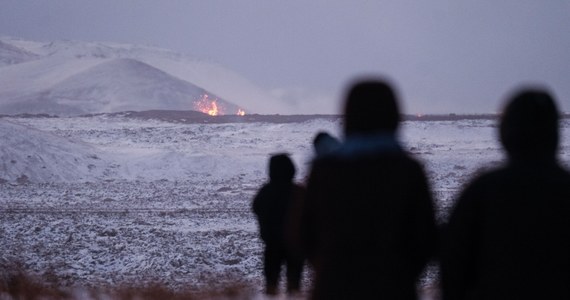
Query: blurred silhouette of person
[324, 143]
[278, 206]
[368, 224]
[508, 236]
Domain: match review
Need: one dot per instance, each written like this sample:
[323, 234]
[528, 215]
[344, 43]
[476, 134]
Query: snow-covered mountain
[70, 77]
[114, 85]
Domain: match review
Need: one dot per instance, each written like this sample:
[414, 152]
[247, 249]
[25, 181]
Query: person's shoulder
[410, 159]
[485, 181]
[263, 190]
[489, 176]
[265, 186]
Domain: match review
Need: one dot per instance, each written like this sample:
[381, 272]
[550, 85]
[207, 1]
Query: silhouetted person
[369, 221]
[324, 143]
[277, 206]
[508, 236]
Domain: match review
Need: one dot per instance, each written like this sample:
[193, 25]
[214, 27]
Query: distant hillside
[111, 86]
[73, 78]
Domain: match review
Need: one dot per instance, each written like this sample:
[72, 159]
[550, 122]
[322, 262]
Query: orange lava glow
[211, 106]
[214, 109]
[207, 106]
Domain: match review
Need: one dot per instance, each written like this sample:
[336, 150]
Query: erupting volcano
[214, 107]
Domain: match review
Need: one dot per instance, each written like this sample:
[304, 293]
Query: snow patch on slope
[10, 54]
[29, 154]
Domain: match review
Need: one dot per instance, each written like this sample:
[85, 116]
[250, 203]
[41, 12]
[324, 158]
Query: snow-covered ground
[110, 199]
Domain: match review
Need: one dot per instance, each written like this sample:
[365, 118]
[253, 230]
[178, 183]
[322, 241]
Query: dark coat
[369, 224]
[277, 206]
[509, 235]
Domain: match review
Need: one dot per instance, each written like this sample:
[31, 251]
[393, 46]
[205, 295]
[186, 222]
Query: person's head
[371, 107]
[281, 168]
[324, 143]
[529, 125]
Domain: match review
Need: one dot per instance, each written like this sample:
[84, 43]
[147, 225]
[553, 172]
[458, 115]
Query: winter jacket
[368, 222]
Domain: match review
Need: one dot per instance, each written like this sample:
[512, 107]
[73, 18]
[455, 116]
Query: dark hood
[371, 107]
[529, 126]
[281, 168]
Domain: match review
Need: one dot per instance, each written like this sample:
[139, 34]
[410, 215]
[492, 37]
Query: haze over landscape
[445, 56]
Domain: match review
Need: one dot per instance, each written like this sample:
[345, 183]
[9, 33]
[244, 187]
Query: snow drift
[29, 154]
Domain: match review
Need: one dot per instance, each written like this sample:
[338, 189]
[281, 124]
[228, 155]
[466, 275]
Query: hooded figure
[324, 143]
[508, 236]
[277, 207]
[368, 223]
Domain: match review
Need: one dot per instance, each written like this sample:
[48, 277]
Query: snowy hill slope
[10, 54]
[213, 77]
[28, 154]
[225, 83]
[112, 85]
[31, 82]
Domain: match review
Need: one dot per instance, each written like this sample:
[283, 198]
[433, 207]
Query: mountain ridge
[27, 83]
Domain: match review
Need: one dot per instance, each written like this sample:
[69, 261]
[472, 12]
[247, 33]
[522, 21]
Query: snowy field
[105, 200]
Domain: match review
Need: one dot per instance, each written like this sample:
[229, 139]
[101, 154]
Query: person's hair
[529, 124]
[371, 106]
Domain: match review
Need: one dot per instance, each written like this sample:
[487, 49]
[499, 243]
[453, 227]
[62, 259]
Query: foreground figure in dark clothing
[278, 209]
[508, 236]
[369, 220]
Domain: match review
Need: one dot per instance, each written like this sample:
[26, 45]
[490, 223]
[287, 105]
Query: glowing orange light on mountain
[211, 106]
[207, 106]
[214, 109]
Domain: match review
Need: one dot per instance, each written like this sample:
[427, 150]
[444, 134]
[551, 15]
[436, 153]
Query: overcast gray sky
[445, 55]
